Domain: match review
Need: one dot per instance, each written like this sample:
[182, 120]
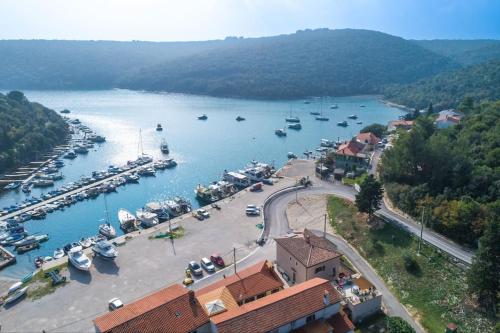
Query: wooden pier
[6, 258]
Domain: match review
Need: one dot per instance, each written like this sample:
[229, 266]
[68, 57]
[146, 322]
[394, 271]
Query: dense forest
[26, 129]
[453, 173]
[307, 63]
[481, 82]
[465, 52]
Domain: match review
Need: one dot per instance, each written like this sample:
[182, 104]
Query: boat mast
[106, 209]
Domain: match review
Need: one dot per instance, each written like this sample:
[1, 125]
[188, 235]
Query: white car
[252, 207]
[115, 303]
[207, 265]
[252, 211]
[203, 213]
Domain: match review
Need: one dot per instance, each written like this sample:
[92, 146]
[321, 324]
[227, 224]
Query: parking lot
[143, 266]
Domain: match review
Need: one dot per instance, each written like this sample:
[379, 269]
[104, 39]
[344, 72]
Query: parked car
[268, 181]
[217, 260]
[256, 187]
[115, 303]
[195, 268]
[203, 213]
[252, 211]
[207, 265]
[197, 215]
[187, 281]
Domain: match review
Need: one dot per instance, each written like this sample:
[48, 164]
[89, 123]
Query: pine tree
[484, 274]
[370, 196]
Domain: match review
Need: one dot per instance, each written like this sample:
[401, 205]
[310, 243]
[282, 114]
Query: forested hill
[446, 90]
[465, 52]
[26, 129]
[311, 62]
[307, 63]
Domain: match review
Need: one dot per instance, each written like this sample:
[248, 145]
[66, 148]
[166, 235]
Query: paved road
[277, 225]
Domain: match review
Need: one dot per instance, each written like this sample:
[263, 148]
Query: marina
[201, 149]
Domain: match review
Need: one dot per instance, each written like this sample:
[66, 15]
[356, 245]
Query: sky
[183, 20]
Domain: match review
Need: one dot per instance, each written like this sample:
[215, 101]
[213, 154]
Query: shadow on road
[106, 266]
[80, 276]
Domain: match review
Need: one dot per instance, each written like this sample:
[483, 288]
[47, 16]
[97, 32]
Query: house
[247, 285]
[349, 155]
[174, 308]
[305, 256]
[447, 118]
[216, 308]
[361, 298]
[368, 139]
[313, 301]
[395, 124]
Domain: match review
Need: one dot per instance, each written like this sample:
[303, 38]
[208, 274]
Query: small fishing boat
[292, 119]
[12, 239]
[107, 230]
[342, 123]
[26, 248]
[159, 128]
[13, 185]
[334, 106]
[362, 106]
[147, 219]
[32, 239]
[291, 155]
[296, 126]
[164, 147]
[43, 183]
[85, 242]
[307, 102]
[27, 277]
[170, 163]
[105, 250]
[58, 253]
[322, 118]
[78, 259]
[359, 122]
[314, 113]
[280, 132]
[16, 295]
[14, 287]
[26, 189]
[353, 116]
[70, 155]
[240, 118]
[39, 262]
[128, 222]
[203, 117]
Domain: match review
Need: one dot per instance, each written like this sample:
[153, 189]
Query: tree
[370, 196]
[377, 129]
[398, 325]
[430, 109]
[484, 274]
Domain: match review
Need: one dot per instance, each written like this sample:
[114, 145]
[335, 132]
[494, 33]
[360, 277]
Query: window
[319, 269]
[310, 318]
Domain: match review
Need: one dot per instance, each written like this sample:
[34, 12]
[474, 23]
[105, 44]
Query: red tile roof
[172, 308]
[368, 138]
[351, 148]
[249, 282]
[309, 249]
[278, 309]
[341, 323]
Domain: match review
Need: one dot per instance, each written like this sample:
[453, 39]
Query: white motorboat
[14, 287]
[107, 230]
[128, 222]
[78, 259]
[105, 250]
[85, 242]
[16, 295]
[58, 253]
[147, 219]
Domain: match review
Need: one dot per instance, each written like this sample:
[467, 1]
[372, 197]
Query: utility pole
[171, 235]
[324, 228]
[234, 259]
[421, 231]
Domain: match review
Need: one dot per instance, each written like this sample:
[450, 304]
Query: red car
[217, 260]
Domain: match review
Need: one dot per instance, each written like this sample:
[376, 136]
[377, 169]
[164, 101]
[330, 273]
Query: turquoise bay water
[203, 149]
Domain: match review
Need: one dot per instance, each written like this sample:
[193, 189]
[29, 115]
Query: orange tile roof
[341, 323]
[174, 307]
[368, 138]
[309, 249]
[249, 282]
[351, 148]
[277, 309]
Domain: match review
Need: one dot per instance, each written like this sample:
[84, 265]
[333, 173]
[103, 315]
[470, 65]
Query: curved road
[277, 225]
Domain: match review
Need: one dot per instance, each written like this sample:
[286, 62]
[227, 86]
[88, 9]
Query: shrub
[398, 325]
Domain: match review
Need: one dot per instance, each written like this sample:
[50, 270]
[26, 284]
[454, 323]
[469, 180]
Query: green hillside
[465, 52]
[26, 129]
[446, 90]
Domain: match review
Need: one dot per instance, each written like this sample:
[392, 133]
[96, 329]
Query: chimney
[326, 298]
[192, 300]
[307, 239]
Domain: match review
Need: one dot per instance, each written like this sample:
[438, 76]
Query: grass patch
[373, 324]
[177, 233]
[41, 285]
[357, 180]
[431, 287]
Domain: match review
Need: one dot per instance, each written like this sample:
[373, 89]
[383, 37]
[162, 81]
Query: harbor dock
[75, 191]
